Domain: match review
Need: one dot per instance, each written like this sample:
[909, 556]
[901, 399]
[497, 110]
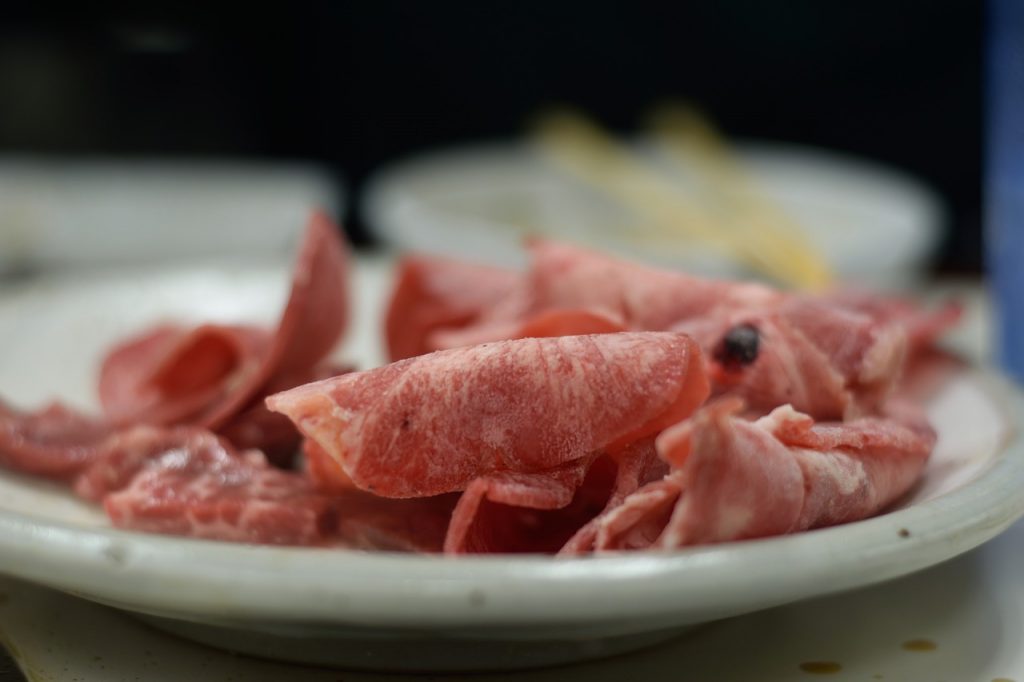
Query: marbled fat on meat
[433, 424]
[734, 479]
[433, 293]
[199, 486]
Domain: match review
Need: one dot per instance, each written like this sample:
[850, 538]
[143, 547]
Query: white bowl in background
[59, 213]
[872, 223]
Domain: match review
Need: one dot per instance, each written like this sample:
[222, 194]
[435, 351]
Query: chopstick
[689, 136]
[587, 152]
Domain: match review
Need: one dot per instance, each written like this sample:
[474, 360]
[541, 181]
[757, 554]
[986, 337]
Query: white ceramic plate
[414, 612]
[479, 202]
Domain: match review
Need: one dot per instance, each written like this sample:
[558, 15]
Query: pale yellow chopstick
[688, 135]
[590, 154]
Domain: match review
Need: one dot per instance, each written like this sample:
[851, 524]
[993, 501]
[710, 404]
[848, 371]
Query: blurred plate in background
[59, 213]
[870, 222]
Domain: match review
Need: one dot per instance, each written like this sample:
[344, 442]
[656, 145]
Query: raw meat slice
[923, 325]
[368, 522]
[55, 441]
[828, 361]
[197, 485]
[624, 294]
[784, 473]
[434, 293]
[637, 466]
[208, 375]
[644, 298]
[548, 323]
[187, 481]
[274, 434]
[433, 424]
[173, 374]
[127, 452]
[324, 472]
[509, 512]
[735, 479]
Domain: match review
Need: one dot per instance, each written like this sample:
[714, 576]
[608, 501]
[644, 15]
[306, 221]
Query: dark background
[356, 84]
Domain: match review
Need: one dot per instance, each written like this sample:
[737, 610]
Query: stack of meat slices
[588, 404]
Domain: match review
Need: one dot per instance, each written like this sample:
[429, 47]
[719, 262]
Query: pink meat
[199, 486]
[128, 451]
[174, 374]
[258, 428]
[613, 291]
[559, 322]
[433, 293]
[831, 359]
[509, 512]
[368, 522]
[188, 481]
[644, 298]
[827, 361]
[216, 376]
[55, 442]
[638, 465]
[923, 326]
[734, 479]
[435, 423]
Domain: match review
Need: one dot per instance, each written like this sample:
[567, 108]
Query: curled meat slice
[433, 424]
[433, 293]
[529, 512]
[826, 361]
[186, 482]
[215, 376]
[173, 374]
[735, 479]
[56, 441]
[637, 466]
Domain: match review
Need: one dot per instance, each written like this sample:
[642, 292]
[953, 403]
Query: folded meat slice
[555, 322]
[637, 466]
[187, 482]
[735, 479]
[173, 374]
[508, 512]
[923, 325]
[209, 375]
[825, 360]
[569, 290]
[55, 442]
[434, 423]
[643, 298]
[432, 293]
[834, 357]
[125, 453]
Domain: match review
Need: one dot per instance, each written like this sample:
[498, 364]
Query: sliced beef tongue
[55, 442]
[732, 478]
[834, 357]
[433, 294]
[529, 512]
[210, 375]
[435, 423]
[187, 481]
